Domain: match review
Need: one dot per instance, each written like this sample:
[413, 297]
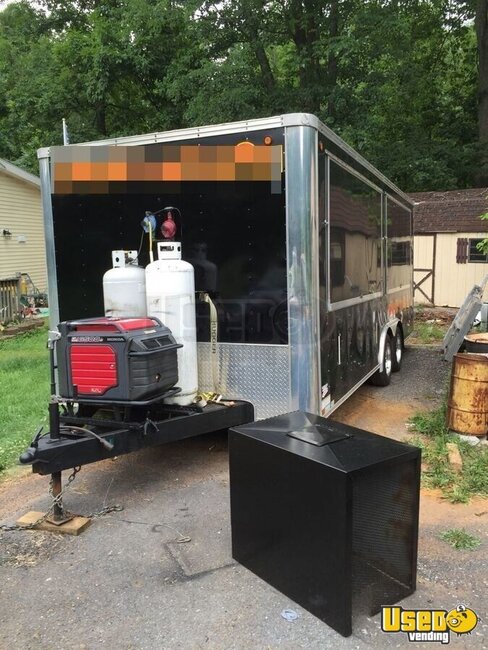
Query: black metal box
[326, 513]
[116, 359]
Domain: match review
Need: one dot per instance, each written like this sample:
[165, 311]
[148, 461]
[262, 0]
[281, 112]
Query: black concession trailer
[296, 281]
[302, 257]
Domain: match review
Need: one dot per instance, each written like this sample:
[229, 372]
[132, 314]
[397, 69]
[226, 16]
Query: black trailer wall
[233, 232]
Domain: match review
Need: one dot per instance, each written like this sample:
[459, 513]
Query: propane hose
[105, 443]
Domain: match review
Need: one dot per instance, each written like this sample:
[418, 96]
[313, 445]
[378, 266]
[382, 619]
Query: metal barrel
[477, 342]
[467, 410]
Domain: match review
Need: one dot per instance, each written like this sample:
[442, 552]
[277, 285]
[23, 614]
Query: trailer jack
[82, 437]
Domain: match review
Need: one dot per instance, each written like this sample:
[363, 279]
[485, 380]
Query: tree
[481, 22]
[396, 78]
[483, 245]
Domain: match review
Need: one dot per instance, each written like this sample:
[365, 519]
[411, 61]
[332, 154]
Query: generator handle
[145, 353]
[72, 324]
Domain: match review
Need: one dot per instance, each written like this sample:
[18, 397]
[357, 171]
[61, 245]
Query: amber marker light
[268, 140]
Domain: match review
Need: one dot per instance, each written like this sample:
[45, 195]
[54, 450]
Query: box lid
[339, 446]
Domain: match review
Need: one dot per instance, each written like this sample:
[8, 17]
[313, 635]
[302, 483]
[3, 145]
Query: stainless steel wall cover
[47, 211]
[259, 374]
[303, 266]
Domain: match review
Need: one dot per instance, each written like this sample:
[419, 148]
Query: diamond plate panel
[259, 374]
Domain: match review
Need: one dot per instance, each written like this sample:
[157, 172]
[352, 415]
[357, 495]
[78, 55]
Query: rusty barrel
[467, 410]
[477, 342]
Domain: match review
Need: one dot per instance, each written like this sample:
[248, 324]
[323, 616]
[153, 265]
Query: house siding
[453, 281]
[21, 214]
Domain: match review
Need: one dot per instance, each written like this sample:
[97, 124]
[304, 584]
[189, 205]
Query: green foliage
[460, 486]
[431, 423]
[483, 245]
[428, 332]
[397, 79]
[459, 539]
[24, 392]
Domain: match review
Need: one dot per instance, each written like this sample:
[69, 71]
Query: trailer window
[355, 236]
[399, 246]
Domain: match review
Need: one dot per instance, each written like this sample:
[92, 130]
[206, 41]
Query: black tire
[397, 351]
[382, 377]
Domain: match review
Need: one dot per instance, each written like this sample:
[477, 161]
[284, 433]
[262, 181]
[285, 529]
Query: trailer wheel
[397, 351]
[382, 377]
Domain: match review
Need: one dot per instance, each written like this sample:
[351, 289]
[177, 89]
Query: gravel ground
[423, 378]
[130, 582]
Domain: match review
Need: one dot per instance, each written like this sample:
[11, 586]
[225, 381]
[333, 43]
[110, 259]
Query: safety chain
[57, 500]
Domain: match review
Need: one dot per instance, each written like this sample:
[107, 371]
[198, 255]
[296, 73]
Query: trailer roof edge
[258, 124]
[313, 121]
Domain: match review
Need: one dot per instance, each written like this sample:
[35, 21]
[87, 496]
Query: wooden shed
[447, 229]
[22, 245]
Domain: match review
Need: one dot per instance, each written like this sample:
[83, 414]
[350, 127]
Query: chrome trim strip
[327, 296]
[350, 302]
[355, 173]
[391, 324]
[254, 345]
[289, 120]
[47, 211]
[225, 128]
[400, 205]
[302, 263]
[353, 390]
[407, 287]
[313, 121]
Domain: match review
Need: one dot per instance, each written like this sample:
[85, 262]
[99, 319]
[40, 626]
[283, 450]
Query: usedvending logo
[434, 625]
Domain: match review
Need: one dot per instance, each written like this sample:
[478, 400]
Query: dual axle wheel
[392, 359]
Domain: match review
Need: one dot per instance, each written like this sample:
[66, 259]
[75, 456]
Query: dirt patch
[435, 510]
[15, 329]
[28, 548]
[441, 315]
[369, 413]
[17, 488]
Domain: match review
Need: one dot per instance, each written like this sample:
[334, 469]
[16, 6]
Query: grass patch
[432, 423]
[428, 332]
[460, 540]
[24, 392]
[458, 487]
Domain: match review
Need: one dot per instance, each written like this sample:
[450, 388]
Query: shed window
[474, 254]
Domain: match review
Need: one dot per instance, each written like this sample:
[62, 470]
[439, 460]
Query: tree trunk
[251, 34]
[304, 29]
[100, 118]
[332, 67]
[481, 23]
[264, 65]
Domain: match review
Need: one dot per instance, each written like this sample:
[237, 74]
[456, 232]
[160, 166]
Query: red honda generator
[116, 359]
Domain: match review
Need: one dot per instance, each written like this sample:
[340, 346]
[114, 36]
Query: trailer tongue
[81, 439]
[117, 380]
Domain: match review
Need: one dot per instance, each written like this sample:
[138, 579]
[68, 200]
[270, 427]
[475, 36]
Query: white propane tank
[124, 287]
[170, 292]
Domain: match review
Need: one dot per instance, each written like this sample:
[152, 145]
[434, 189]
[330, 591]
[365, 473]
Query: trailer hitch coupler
[28, 456]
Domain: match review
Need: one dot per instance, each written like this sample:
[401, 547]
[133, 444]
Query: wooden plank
[74, 526]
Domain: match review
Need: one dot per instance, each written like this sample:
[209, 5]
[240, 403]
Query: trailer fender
[388, 330]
